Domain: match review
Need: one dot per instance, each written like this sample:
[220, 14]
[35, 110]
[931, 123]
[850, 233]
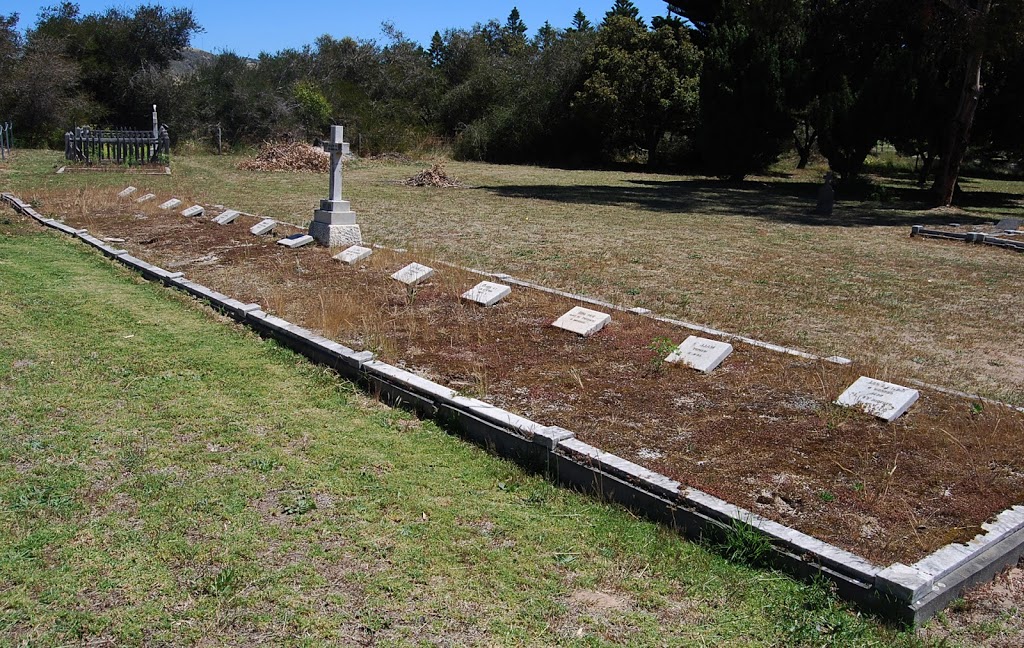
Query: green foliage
[745, 121]
[312, 108]
[623, 9]
[639, 84]
[744, 544]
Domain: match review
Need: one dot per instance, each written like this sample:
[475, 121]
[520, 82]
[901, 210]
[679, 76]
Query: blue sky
[247, 28]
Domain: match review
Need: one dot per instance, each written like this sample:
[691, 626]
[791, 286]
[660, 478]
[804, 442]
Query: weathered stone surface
[227, 217]
[335, 235]
[701, 353]
[263, 227]
[145, 198]
[885, 400]
[170, 204]
[195, 210]
[582, 321]
[413, 274]
[487, 293]
[127, 191]
[296, 240]
[353, 255]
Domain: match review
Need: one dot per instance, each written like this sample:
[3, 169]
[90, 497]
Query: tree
[116, 51]
[639, 84]
[987, 25]
[623, 9]
[580, 22]
[749, 58]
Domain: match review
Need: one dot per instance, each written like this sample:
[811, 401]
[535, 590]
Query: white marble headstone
[353, 254]
[582, 321]
[487, 293]
[296, 240]
[146, 198]
[413, 274]
[226, 217]
[195, 210]
[170, 204]
[264, 226]
[701, 353]
[885, 400]
[127, 191]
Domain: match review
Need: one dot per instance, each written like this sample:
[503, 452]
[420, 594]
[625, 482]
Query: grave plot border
[968, 237]
[906, 594]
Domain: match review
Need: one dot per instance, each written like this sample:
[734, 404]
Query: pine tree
[580, 22]
[436, 48]
[515, 25]
[624, 8]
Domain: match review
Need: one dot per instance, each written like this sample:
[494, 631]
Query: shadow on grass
[861, 205]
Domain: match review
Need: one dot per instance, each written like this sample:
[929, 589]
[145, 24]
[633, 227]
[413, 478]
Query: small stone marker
[296, 240]
[413, 274]
[701, 353]
[146, 198]
[1008, 224]
[226, 217]
[582, 321]
[170, 204]
[826, 196]
[195, 210]
[127, 191]
[487, 293]
[264, 226]
[353, 255]
[885, 400]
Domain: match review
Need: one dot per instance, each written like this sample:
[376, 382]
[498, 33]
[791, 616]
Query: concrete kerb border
[909, 594]
[969, 237]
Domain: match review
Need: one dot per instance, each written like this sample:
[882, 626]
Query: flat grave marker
[702, 354]
[413, 274]
[127, 191]
[145, 198]
[1008, 224]
[195, 210]
[170, 204]
[296, 240]
[487, 293]
[582, 321]
[887, 401]
[227, 217]
[353, 255]
[264, 226]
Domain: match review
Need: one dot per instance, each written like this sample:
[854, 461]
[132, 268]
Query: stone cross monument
[334, 223]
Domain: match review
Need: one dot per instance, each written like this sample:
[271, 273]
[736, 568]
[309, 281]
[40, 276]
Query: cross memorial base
[335, 235]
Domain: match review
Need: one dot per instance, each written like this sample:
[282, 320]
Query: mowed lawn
[748, 258]
[169, 478]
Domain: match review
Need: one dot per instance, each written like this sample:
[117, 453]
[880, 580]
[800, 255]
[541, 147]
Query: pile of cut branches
[435, 176]
[283, 156]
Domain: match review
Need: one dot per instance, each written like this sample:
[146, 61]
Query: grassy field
[168, 478]
[748, 258]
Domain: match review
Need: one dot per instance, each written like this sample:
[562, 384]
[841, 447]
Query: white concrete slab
[582, 321]
[701, 353]
[227, 217]
[413, 274]
[264, 226]
[296, 240]
[487, 293]
[353, 254]
[885, 400]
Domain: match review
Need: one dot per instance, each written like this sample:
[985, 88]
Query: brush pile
[435, 176]
[294, 156]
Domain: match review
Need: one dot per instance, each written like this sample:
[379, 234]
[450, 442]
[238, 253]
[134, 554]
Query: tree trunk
[959, 133]
[653, 140]
[803, 146]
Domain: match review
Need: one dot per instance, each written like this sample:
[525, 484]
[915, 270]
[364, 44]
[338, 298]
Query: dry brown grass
[760, 432]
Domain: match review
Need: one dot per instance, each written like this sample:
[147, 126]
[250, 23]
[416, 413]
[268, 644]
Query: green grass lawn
[167, 477]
